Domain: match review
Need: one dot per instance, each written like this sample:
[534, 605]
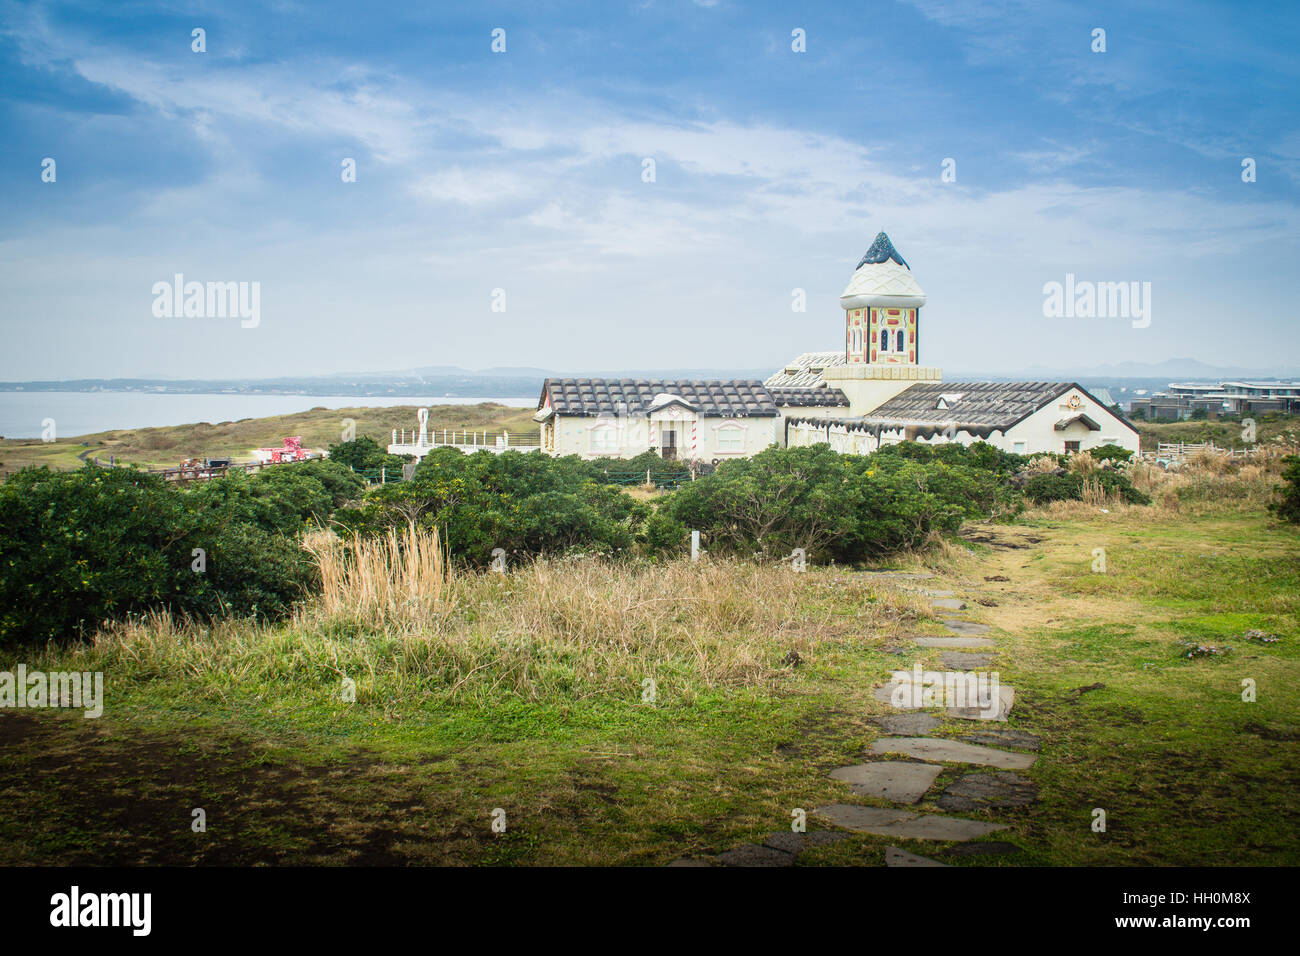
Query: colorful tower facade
[882, 346]
[882, 304]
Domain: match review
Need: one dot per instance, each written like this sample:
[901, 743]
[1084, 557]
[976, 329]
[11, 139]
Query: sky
[503, 212]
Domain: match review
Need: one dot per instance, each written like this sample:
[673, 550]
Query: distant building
[870, 393]
[1181, 400]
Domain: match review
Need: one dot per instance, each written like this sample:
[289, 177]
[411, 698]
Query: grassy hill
[1223, 432]
[319, 428]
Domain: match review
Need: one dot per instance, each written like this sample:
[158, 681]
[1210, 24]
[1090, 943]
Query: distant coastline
[22, 413]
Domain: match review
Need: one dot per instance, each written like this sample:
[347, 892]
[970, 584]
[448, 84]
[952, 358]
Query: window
[1071, 447]
[902, 341]
[731, 438]
[1018, 448]
[604, 439]
[884, 340]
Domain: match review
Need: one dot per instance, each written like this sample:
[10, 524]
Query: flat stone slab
[953, 642]
[751, 854]
[796, 843]
[886, 696]
[896, 857]
[907, 725]
[1006, 697]
[905, 824]
[892, 780]
[965, 628]
[1004, 737]
[948, 604]
[986, 791]
[962, 661]
[952, 751]
[931, 592]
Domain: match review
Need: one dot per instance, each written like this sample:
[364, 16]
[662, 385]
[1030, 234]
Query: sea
[82, 413]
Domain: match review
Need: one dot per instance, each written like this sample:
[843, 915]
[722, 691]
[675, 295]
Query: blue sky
[522, 171]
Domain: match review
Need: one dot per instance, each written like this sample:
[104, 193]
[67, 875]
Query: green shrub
[1288, 508]
[845, 507]
[78, 548]
[1110, 452]
[526, 503]
[364, 454]
[1042, 489]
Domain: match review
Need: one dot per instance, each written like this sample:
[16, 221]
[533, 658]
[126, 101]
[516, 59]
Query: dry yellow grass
[397, 576]
[393, 617]
[1082, 463]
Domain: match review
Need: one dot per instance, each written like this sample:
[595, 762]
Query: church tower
[882, 306]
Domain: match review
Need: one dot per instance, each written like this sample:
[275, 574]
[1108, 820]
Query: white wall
[1038, 431]
[715, 437]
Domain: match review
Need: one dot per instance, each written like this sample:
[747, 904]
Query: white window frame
[729, 431]
[603, 439]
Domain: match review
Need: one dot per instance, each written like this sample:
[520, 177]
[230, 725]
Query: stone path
[908, 735]
[953, 642]
[912, 760]
[896, 857]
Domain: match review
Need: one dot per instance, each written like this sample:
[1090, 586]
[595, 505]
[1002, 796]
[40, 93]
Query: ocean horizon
[85, 413]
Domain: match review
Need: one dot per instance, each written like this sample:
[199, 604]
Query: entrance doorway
[668, 450]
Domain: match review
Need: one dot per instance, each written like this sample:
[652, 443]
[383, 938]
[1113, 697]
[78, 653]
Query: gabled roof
[983, 406]
[806, 370]
[589, 397]
[1065, 423]
[820, 397]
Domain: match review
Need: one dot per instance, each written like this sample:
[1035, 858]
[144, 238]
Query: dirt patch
[84, 793]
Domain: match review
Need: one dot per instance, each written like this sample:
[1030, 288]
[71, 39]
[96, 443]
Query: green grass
[1186, 771]
[1269, 428]
[319, 428]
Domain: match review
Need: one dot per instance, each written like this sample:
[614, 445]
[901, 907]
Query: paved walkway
[912, 759]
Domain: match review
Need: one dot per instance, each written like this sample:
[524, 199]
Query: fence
[647, 478]
[409, 443]
[1177, 451]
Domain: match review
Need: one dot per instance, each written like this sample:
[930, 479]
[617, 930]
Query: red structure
[292, 451]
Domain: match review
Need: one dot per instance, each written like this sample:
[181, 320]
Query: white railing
[421, 442]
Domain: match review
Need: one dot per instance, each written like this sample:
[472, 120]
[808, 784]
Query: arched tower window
[884, 340]
[902, 341]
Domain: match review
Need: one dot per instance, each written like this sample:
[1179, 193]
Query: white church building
[872, 392]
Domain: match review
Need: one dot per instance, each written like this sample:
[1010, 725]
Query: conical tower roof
[882, 279]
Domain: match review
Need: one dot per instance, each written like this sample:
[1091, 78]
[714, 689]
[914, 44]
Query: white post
[695, 546]
[394, 436]
[507, 434]
[382, 478]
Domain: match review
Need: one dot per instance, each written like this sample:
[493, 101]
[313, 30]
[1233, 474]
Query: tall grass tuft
[381, 579]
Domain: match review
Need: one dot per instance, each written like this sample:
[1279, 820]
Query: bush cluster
[80, 547]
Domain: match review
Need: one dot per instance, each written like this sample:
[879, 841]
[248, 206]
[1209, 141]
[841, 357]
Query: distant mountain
[435, 381]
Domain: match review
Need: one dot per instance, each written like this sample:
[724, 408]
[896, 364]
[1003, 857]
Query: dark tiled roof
[988, 405]
[820, 397]
[881, 251]
[714, 398]
[805, 370]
